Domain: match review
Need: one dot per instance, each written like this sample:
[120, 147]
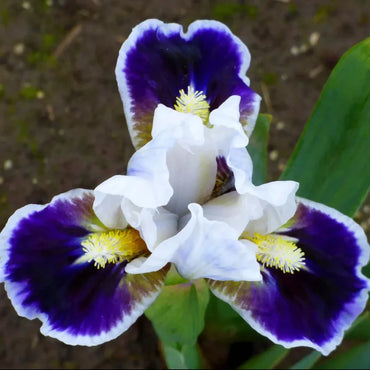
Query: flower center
[193, 102]
[276, 251]
[112, 247]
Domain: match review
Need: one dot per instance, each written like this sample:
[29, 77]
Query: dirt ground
[62, 124]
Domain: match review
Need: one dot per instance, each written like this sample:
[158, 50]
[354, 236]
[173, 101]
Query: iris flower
[289, 266]
[196, 71]
[62, 265]
[89, 263]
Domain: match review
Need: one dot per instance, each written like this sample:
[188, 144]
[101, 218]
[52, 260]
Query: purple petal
[77, 302]
[314, 306]
[158, 60]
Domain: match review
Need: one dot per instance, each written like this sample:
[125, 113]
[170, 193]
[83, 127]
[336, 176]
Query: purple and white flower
[193, 71]
[60, 264]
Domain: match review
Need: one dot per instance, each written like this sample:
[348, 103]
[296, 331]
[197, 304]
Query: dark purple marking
[314, 304]
[159, 66]
[75, 297]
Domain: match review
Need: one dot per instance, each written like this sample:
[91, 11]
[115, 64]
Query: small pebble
[294, 50]
[314, 38]
[40, 95]
[280, 125]
[274, 155]
[18, 49]
[26, 5]
[8, 164]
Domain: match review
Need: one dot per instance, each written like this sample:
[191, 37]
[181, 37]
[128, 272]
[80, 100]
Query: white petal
[263, 209]
[146, 185]
[231, 140]
[154, 225]
[108, 209]
[234, 209]
[191, 157]
[205, 249]
[277, 202]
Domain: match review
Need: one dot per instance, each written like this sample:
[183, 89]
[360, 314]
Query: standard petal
[158, 60]
[205, 248]
[145, 185]
[45, 278]
[190, 156]
[314, 306]
[261, 209]
[277, 201]
[231, 140]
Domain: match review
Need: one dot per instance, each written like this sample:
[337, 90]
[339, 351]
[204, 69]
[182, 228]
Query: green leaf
[178, 313]
[360, 329]
[257, 148]
[357, 357]
[225, 324]
[308, 361]
[331, 159]
[185, 357]
[267, 359]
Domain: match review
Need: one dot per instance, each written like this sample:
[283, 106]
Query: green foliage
[257, 148]
[331, 158]
[225, 11]
[177, 316]
[355, 358]
[183, 357]
[223, 323]
[28, 92]
[188, 301]
[308, 361]
[267, 359]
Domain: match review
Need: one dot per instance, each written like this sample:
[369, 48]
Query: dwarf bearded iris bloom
[90, 262]
[289, 266]
[62, 265]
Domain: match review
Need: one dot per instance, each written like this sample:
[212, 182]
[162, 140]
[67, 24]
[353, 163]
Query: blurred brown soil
[62, 125]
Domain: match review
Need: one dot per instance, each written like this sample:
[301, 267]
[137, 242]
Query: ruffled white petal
[278, 204]
[204, 249]
[263, 209]
[154, 225]
[231, 140]
[191, 156]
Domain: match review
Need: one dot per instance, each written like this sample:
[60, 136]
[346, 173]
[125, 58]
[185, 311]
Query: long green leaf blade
[257, 148]
[267, 359]
[357, 357]
[308, 361]
[331, 159]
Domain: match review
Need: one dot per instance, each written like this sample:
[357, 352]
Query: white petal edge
[23, 213]
[65, 336]
[131, 41]
[14, 289]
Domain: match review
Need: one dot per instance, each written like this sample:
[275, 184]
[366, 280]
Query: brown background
[62, 125]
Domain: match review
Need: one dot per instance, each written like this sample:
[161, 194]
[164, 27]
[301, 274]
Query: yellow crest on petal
[279, 252]
[193, 102]
[112, 246]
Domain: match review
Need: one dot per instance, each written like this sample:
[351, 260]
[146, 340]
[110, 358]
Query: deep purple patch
[159, 66]
[225, 181]
[312, 304]
[77, 297]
